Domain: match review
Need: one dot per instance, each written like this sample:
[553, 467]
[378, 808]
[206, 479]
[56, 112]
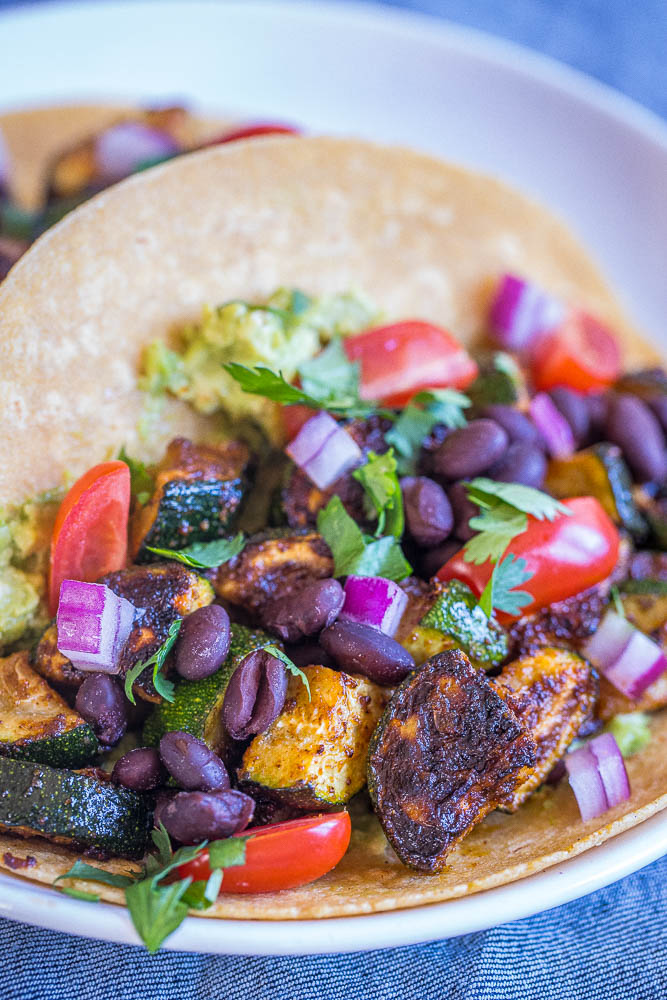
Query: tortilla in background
[424, 239]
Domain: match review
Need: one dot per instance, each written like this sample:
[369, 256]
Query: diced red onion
[311, 438]
[611, 768]
[93, 625]
[120, 149]
[627, 658]
[552, 425]
[324, 450]
[586, 783]
[521, 311]
[372, 600]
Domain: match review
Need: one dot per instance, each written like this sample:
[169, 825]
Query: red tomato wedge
[398, 361]
[282, 855]
[580, 354]
[90, 533]
[250, 131]
[294, 417]
[565, 556]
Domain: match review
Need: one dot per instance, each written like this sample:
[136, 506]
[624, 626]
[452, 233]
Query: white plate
[591, 154]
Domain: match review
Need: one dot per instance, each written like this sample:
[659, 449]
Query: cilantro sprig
[290, 664]
[158, 908]
[142, 483]
[162, 685]
[356, 553]
[500, 593]
[417, 420]
[379, 478]
[204, 555]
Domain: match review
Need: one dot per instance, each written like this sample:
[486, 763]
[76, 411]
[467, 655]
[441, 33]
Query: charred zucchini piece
[164, 592]
[273, 563]
[313, 756]
[552, 694]
[198, 494]
[79, 809]
[197, 705]
[646, 608]
[601, 472]
[446, 752]
[452, 619]
[654, 510]
[36, 724]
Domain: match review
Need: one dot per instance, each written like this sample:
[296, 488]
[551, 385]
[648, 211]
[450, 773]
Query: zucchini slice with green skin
[447, 616]
[601, 472]
[447, 751]
[197, 705]
[313, 756]
[199, 490]
[36, 724]
[163, 592]
[78, 809]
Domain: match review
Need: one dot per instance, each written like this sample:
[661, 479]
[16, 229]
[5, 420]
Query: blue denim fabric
[612, 944]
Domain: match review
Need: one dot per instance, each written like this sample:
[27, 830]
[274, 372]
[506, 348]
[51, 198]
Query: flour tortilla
[422, 238]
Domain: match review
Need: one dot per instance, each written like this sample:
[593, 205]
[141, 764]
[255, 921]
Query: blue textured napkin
[610, 945]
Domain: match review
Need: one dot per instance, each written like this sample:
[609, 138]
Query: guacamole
[24, 547]
[287, 330]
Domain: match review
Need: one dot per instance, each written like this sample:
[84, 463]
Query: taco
[460, 552]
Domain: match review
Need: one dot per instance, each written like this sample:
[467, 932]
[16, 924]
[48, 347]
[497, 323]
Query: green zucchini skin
[197, 705]
[190, 511]
[75, 748]
[457, 614]
[75, 809]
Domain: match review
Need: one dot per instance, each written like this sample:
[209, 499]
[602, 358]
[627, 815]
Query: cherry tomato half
[580, 354]
[90, 533]
[398, 361]
[250, 131]
[282, 855]
[565, 556]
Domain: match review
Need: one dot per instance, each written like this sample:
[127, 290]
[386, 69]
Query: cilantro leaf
[488, 492]
[417, 420]
[331, 374]
[496, 528]
[87, 897]
[499, 593]
[383, 491]
[228, 853]
[156, 910]
[353, 553]
[618, 603]
[162, 685]
[291, 666]
[204, 555]
[142, 483]
[90, 873]
[261, 381]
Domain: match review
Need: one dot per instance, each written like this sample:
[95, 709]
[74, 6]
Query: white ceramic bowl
[590, 154]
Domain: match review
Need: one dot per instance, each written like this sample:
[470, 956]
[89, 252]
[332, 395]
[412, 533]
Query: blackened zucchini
[198, 494]
[601, 472]
[77, 809]
[197, 705]
[313, 757]
[163, 592]
[272, 564]
[36, 724]
[446, 752]
[499, 381]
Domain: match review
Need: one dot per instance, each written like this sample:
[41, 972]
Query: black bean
[305, 612]
[203, 642]
[192, 763]
[139, 769]
[470, 450]
[255, 695]
[162, 799]
[463, 509]
[434, 559]
[577, 411]
[522, 463]
[519, 427]
[633, 426]
[101, 702]
[659, 406]
[191, 817]
[428, 512]
[598, 404]
[361, 649]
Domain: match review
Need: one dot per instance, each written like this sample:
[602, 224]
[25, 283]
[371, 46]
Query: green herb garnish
[164, 687]
[354, 552]
[142, 483]
[156, 908]
[291, 666]
[499, 593]
[504, 510]
[383, 493]
[417, 420]
[204, 555]
[457, 614]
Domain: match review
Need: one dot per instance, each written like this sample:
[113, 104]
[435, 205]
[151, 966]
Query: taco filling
[403, 576]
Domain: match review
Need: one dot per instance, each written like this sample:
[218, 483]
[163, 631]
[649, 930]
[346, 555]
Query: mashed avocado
[24, 547]
[288, 330]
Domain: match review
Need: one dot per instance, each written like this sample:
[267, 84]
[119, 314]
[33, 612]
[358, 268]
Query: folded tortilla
[424, 239]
